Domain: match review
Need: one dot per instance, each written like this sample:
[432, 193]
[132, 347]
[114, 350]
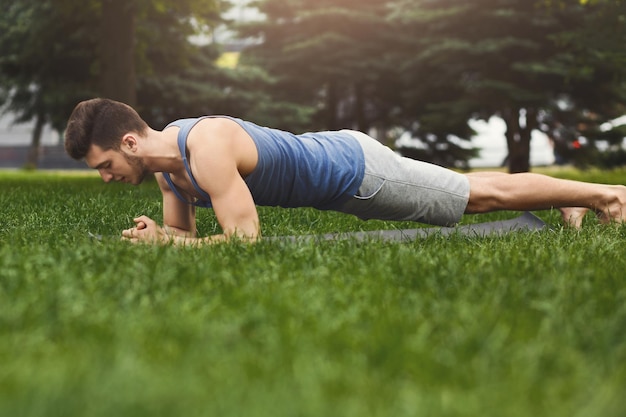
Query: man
[232, 166]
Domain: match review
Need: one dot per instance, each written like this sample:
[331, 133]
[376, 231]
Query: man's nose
[106, 177]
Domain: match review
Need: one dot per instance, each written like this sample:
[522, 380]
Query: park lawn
[529, 324]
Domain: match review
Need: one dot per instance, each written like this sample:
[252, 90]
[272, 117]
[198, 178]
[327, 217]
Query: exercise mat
[525, 222]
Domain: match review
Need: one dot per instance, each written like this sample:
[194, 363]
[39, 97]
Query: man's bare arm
[179, 221]
[178, 216]
[219, 151]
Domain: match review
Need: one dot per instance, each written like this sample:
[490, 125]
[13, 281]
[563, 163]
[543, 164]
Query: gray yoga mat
[525, 222]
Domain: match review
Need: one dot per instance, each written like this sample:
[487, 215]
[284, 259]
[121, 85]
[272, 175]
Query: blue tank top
[321, 170]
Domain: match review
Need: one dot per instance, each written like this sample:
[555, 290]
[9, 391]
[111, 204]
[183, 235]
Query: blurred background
[487, 83]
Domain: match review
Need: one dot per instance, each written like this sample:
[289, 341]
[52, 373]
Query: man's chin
[138, 180]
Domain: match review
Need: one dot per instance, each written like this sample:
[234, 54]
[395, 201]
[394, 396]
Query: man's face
[116, 165]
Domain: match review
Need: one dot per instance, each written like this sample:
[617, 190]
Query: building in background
[15, 139]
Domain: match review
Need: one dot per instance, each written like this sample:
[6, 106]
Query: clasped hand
[146, 230]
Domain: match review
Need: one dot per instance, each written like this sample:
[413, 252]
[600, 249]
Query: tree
[45, 55]
[481, 59]
[511, 58]
[51, 56]
[596, 66]
[428, 66]
[117, 50]
[326, 55]
[178, 78]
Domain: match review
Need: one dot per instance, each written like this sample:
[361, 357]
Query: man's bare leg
[492, 191]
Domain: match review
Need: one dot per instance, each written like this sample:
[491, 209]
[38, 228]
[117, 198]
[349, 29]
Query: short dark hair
[101, 122]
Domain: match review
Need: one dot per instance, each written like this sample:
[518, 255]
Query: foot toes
[573, 216]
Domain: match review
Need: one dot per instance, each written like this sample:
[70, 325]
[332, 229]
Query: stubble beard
[138, 167]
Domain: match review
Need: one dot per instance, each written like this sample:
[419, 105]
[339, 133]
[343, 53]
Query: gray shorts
[398, 188]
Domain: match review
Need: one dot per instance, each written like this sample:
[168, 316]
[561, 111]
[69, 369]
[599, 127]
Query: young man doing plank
[232, 166]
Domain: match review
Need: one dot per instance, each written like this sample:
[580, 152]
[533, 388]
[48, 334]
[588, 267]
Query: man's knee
[485, 194]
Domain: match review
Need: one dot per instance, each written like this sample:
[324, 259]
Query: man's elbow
[179, 232]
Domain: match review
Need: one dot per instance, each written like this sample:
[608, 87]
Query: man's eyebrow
[101, 164]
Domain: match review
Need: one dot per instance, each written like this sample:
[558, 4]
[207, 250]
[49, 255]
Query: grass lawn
[529, 324]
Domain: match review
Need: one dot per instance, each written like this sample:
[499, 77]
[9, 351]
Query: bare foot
[615, 211]
[573, 216]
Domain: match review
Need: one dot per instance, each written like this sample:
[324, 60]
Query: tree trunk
[32, 159]
[331, 106]
[518, 139]
[117, 51]
[362, 123]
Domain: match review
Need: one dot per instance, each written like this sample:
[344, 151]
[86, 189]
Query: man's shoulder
[221, 137]
[215, 124]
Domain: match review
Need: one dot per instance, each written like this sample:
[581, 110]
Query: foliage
[46, 55]
[199, 87]
[504, 58]
[53, 57]
[595, 61]
[423, 67]
[175, 77]
[524, 324]
[327, 55]
[429, 66]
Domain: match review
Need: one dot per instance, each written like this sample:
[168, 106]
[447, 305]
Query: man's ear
[129, 141]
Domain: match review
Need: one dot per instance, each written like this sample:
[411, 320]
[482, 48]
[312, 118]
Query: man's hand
[146, 231]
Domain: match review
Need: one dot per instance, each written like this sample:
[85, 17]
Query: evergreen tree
[52, 57]
[428, 66]
[328, 55]
[46, 51]
[596, 93]
[510, 58]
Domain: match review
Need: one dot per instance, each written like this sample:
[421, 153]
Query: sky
[490, 137]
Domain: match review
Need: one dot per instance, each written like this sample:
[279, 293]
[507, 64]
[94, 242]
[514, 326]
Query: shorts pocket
[370, 186]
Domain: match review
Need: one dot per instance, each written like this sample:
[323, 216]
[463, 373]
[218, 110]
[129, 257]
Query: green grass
[521, 325]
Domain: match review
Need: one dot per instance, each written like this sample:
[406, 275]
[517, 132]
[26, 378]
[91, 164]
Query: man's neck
[162, 153]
